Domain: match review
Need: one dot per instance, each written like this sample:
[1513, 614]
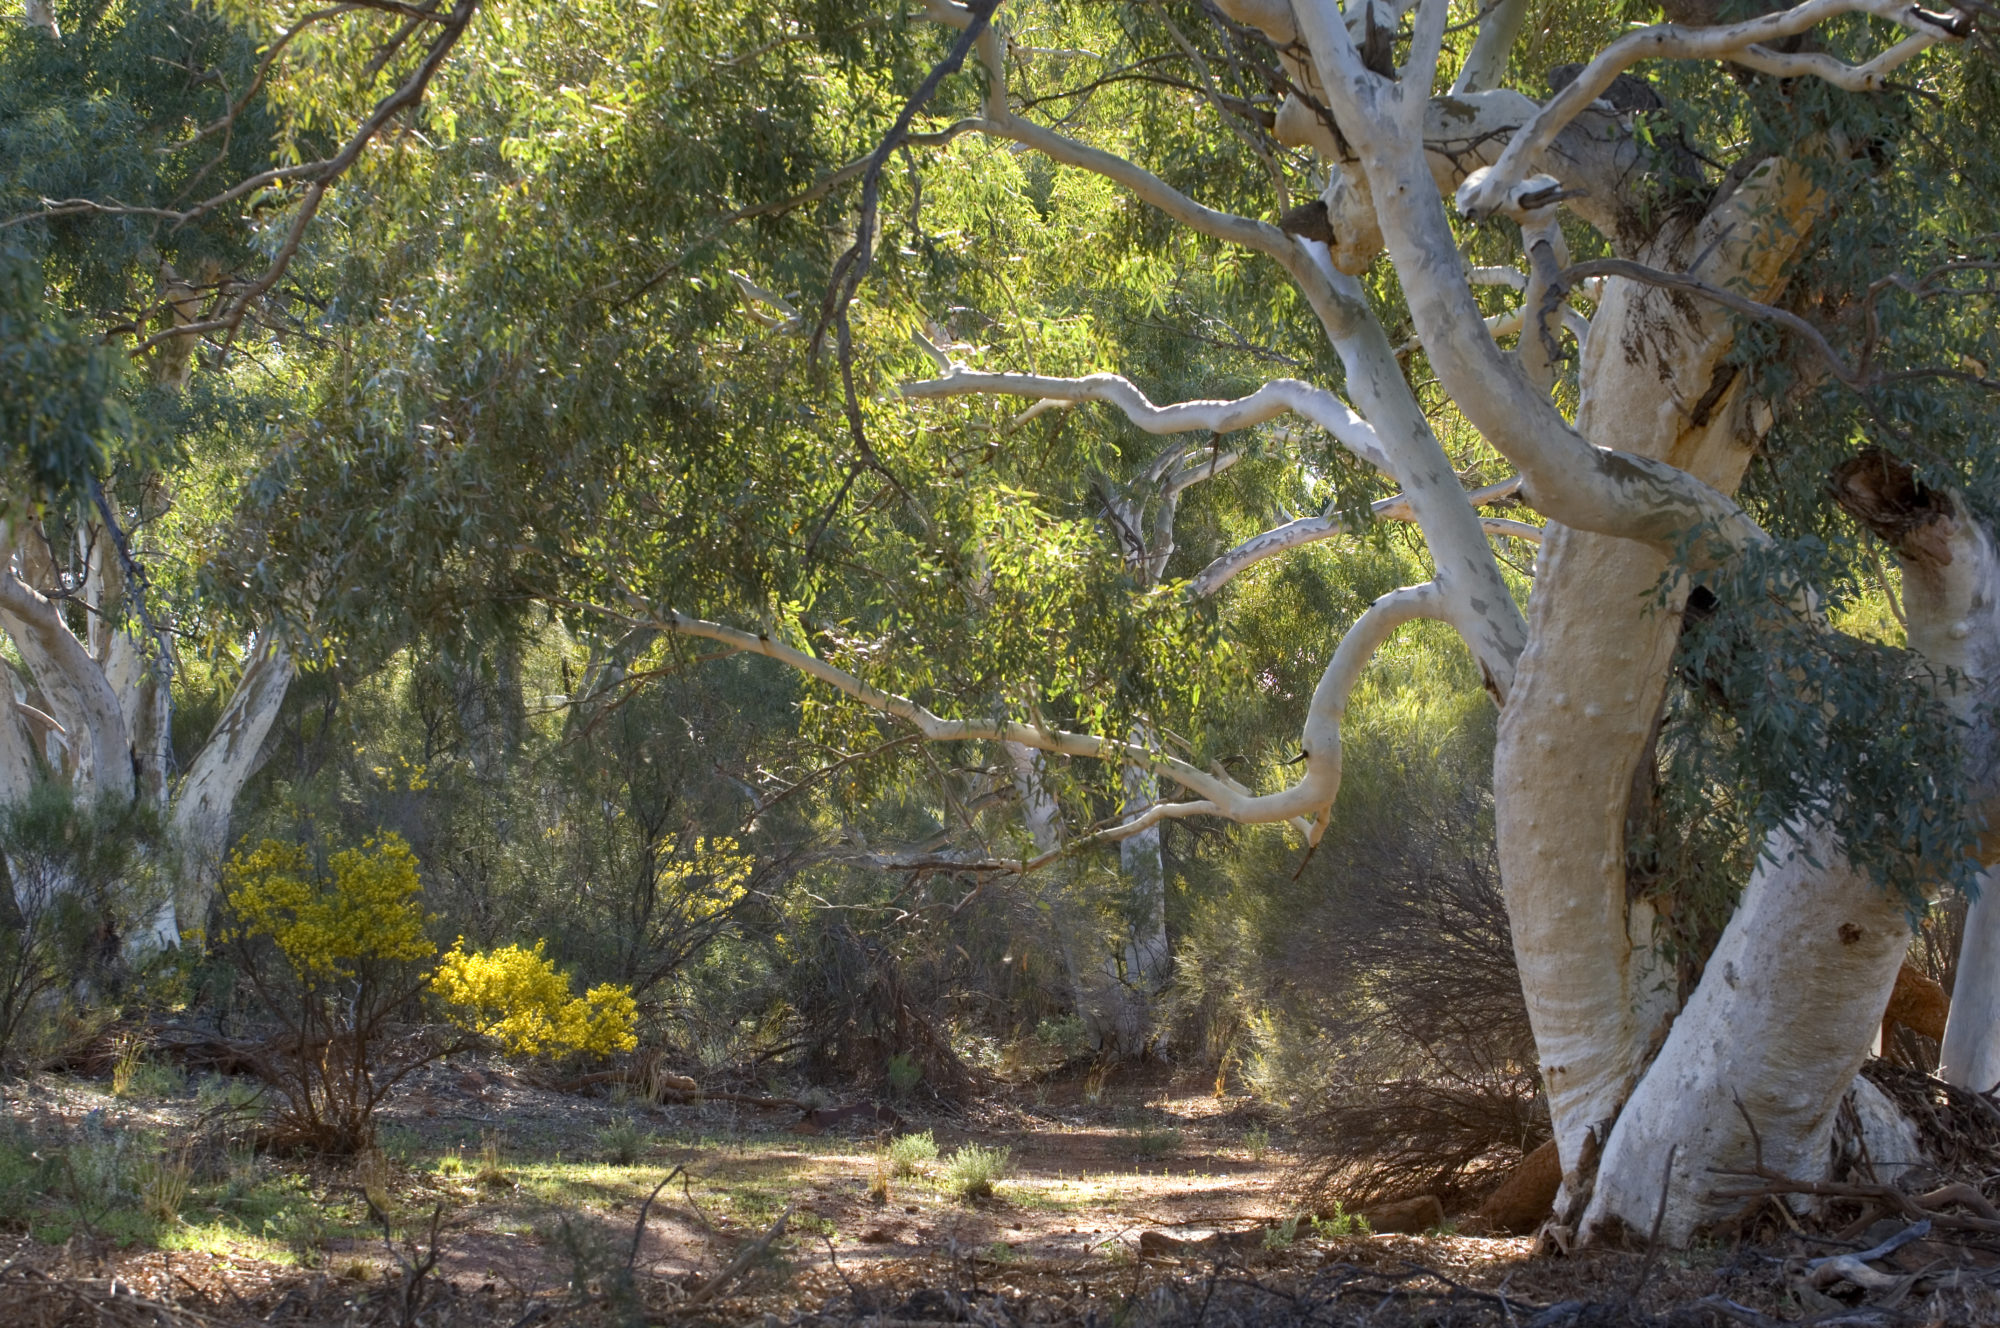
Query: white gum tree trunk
[207, 793]
[1970, 1057]
[101, 704]
[1641, 465]
[1790, 1002]
[1594, 675]
[1771, 1040]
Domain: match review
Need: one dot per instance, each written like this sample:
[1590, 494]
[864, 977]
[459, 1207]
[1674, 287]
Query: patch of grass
[491, 1173]
[134, 1075]
[1281, 1236]
[970, 1172]
[623, 1141]
[164, 1181]
[1257, 1142]
[912, 1154]
[1339, 1222]
[1156, 1142]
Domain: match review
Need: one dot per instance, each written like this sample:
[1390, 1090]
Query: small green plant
[163, 1186]
[1156, 1142]
[1000, 1252]
[131, 1049]
[912, 1154]
[155, 1079]
[1340, 1222]
[904, 1074]
[1281, 1236]
[1064, 1034]
[490, 1172]
[304, 1230]
[970, 1172]
[216, 1094]
[1257, 1142]
[622, 1141]
[242, 1171]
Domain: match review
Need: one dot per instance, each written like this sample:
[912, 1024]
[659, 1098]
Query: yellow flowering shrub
[333, 953]
[516, 997]
[365, 906]
[711, 879]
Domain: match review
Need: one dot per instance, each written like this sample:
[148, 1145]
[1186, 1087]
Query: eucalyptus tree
[1784, 236]
[152, 204]
[550, 383]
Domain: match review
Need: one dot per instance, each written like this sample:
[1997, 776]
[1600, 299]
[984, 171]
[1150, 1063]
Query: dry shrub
[860, 1007]
[1433, 1088]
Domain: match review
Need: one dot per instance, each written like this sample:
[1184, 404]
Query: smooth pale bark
[79, 695]
[1970, 1057]
[1594, 675]
[1789, 1003]
[207, 793]
[1773, 1036]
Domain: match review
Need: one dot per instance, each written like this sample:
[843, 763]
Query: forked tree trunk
[1756, 1065]
[1788, 1005]
[99, 708]
[1594, 673]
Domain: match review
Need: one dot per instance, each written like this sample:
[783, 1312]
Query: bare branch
[1304, 804]
[1275, 398]
[1312, 529]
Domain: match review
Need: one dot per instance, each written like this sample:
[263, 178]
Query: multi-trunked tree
[1656, 1093]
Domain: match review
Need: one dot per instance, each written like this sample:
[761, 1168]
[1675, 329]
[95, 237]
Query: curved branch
[1311, 529]
[1275, 398]
[1736, 42]
[1869, 77]
[1217, 794]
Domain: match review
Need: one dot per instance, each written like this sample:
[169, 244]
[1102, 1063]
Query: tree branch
[1737, 42]
[1310, 530]
[1275, 398]
[1304, 804]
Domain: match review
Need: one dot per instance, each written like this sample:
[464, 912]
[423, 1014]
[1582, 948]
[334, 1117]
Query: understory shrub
[515, 998]
[333, 945]
[336, 947]
[971, 1171]
[909, 1154]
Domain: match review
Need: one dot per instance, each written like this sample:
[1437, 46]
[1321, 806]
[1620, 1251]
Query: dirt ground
[1152, 1203]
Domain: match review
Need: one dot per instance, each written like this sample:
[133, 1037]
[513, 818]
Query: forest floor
[1150, 1203]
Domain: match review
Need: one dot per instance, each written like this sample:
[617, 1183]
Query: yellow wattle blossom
[712, 878]
[365, 906]
[516, 997]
